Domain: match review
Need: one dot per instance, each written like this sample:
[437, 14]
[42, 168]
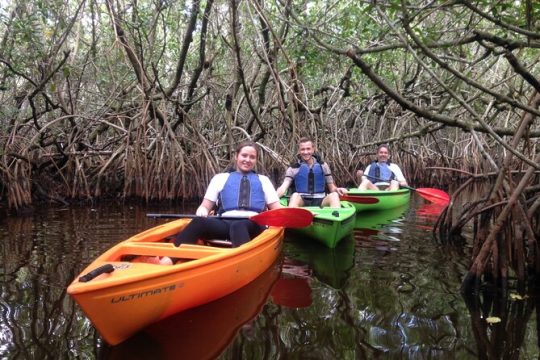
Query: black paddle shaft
[191, 216]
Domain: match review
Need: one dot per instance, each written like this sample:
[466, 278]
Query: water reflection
[34, 302]
[377, 219]
[388, 291]
[430, 211]
[330, 266]
[378, 229]
[293, 288]
[502, 326]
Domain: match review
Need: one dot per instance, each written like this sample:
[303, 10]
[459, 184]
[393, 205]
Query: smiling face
[383, 154]
[246, 158]
[306, 151]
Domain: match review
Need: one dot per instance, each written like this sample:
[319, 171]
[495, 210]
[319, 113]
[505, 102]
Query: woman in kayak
[239, 193]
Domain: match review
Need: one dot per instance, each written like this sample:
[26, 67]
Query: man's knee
[296, 200]
[394, 185]
[364, 185]
[333, 196]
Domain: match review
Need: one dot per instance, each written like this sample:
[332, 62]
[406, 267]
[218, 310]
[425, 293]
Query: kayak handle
[103, 269]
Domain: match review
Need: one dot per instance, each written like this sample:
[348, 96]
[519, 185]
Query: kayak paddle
[283, 217]
[430, 194]
[433, 195]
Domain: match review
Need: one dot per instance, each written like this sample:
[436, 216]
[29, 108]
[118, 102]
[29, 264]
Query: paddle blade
[434, 195]
[359, 199]
[285, 217]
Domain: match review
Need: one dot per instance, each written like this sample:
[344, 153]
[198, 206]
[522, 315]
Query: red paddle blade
[434, 195]
[359, 199]
[284, 217]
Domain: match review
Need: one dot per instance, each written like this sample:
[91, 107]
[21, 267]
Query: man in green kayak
[311, 177]
[381, 174]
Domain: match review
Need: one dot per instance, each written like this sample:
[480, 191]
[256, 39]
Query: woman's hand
[205, 207]
[202, 211]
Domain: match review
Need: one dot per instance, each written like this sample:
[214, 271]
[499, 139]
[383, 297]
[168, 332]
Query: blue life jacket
[380, 172]
[242, 192]
[310, 180]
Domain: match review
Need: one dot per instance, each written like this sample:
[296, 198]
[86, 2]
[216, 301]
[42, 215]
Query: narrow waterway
[389, 290]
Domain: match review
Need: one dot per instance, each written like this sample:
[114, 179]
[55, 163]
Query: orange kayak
[131, 294]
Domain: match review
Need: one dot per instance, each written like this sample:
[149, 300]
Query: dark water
[388, 291]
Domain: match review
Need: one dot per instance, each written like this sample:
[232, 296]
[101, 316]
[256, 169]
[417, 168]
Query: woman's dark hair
[239, 147]
[243, 144]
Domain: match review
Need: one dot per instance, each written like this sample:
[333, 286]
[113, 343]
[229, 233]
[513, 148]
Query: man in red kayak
[381, 174]
[311, 177]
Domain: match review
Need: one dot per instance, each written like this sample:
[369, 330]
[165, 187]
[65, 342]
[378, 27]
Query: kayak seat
[149, 259]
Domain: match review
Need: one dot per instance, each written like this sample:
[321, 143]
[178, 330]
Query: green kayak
[377, 199]
[330, 225]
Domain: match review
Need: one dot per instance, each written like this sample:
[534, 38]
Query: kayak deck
[377, 199]
[330, 225]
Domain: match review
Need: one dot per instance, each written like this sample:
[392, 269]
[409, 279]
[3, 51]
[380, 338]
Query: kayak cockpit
[127, 251]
